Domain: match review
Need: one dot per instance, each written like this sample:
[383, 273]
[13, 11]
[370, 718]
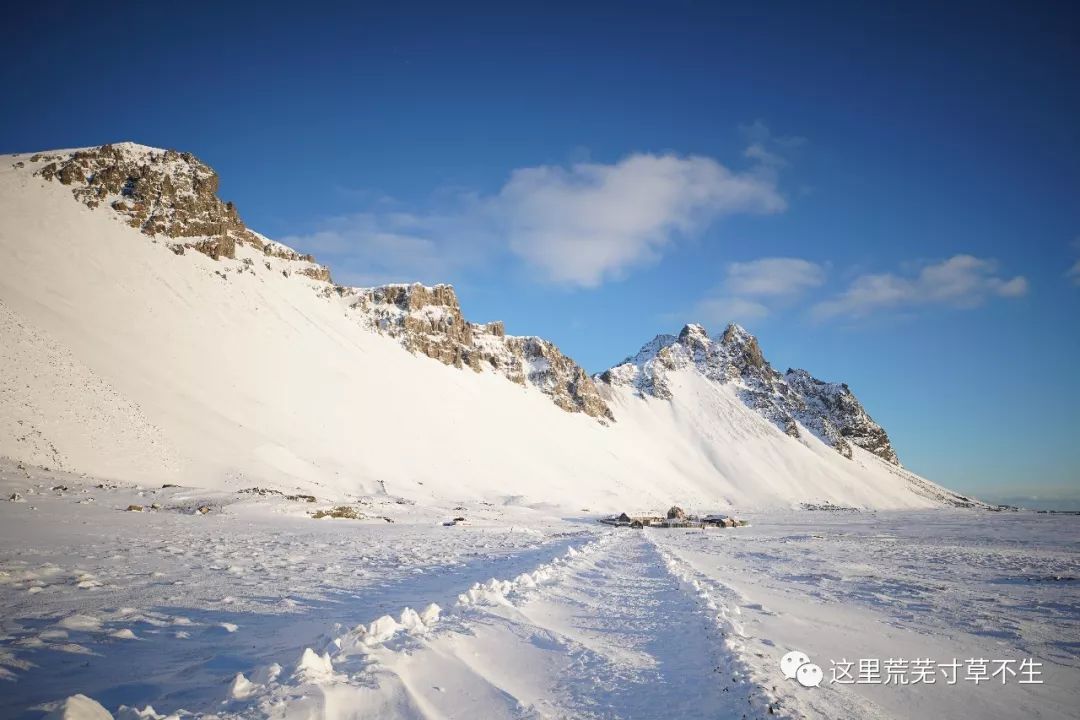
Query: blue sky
[886, 196]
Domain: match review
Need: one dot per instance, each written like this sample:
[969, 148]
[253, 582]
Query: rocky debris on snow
[259, 491]
[429, 320]
[16, 497]
[301, 498]
[134, 508]
[828, 410]
[827, 506]
[346, 512]
[263, 492]
[202, 509]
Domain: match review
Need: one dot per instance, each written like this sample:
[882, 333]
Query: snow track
[247, 612]
[604, 631]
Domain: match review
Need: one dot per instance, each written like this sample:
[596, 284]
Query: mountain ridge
[829, 410]
[248, 272]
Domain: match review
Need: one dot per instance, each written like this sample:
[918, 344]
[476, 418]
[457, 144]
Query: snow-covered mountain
[147, 334]
[793, 400]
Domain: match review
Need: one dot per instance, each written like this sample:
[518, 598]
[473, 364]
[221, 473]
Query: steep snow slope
[251, 369]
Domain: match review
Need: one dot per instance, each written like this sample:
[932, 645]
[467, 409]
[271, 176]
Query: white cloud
[391, 246]
[590, 222]
[753, 290]
[773, 277]
[577, 225]
[719, 311]
[1074, 273]
[962, 281]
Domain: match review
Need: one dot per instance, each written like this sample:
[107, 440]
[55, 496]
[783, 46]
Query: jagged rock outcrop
[162, 192]
[830, 411]
[838, 404]
[428, 320]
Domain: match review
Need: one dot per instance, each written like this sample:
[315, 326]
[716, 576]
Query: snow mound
[79, 707]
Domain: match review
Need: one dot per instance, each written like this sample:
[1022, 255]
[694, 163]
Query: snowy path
[607, 632]
[954, 586]
[166, 608]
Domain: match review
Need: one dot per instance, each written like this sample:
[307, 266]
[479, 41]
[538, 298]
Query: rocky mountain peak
[744, 348]
[792, 401]
[163, 193]
[693, 332]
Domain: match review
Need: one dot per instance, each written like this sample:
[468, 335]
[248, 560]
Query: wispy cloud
[768, 150]
[590, 222]
[578, 225]
[1074, 272]
[753, 290]
[388, 245]
[962, 281]
[718, 311]
[773, 276]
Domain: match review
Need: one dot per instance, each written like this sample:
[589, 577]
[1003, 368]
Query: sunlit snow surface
[254, 609]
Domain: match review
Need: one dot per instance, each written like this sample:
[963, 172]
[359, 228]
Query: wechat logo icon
[796, 665]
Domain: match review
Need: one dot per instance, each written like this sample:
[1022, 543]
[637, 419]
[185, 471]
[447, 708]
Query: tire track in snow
[638, 644]
[607, 633]
[614, 629]
[753, 661]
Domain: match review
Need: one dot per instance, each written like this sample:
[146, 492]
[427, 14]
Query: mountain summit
[147, 334]
[795, 401]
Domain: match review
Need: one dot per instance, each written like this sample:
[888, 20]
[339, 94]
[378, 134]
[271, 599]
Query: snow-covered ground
[170, 425]
[254, 609]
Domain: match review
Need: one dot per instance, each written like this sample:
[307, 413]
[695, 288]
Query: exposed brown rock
[159, 192]
[428, 320]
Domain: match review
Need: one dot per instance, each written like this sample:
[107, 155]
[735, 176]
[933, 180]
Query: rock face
[828, 410]
[428, 320]
[159, 192]
[836, 403]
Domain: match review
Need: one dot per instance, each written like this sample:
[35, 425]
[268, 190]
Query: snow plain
[255, 609]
